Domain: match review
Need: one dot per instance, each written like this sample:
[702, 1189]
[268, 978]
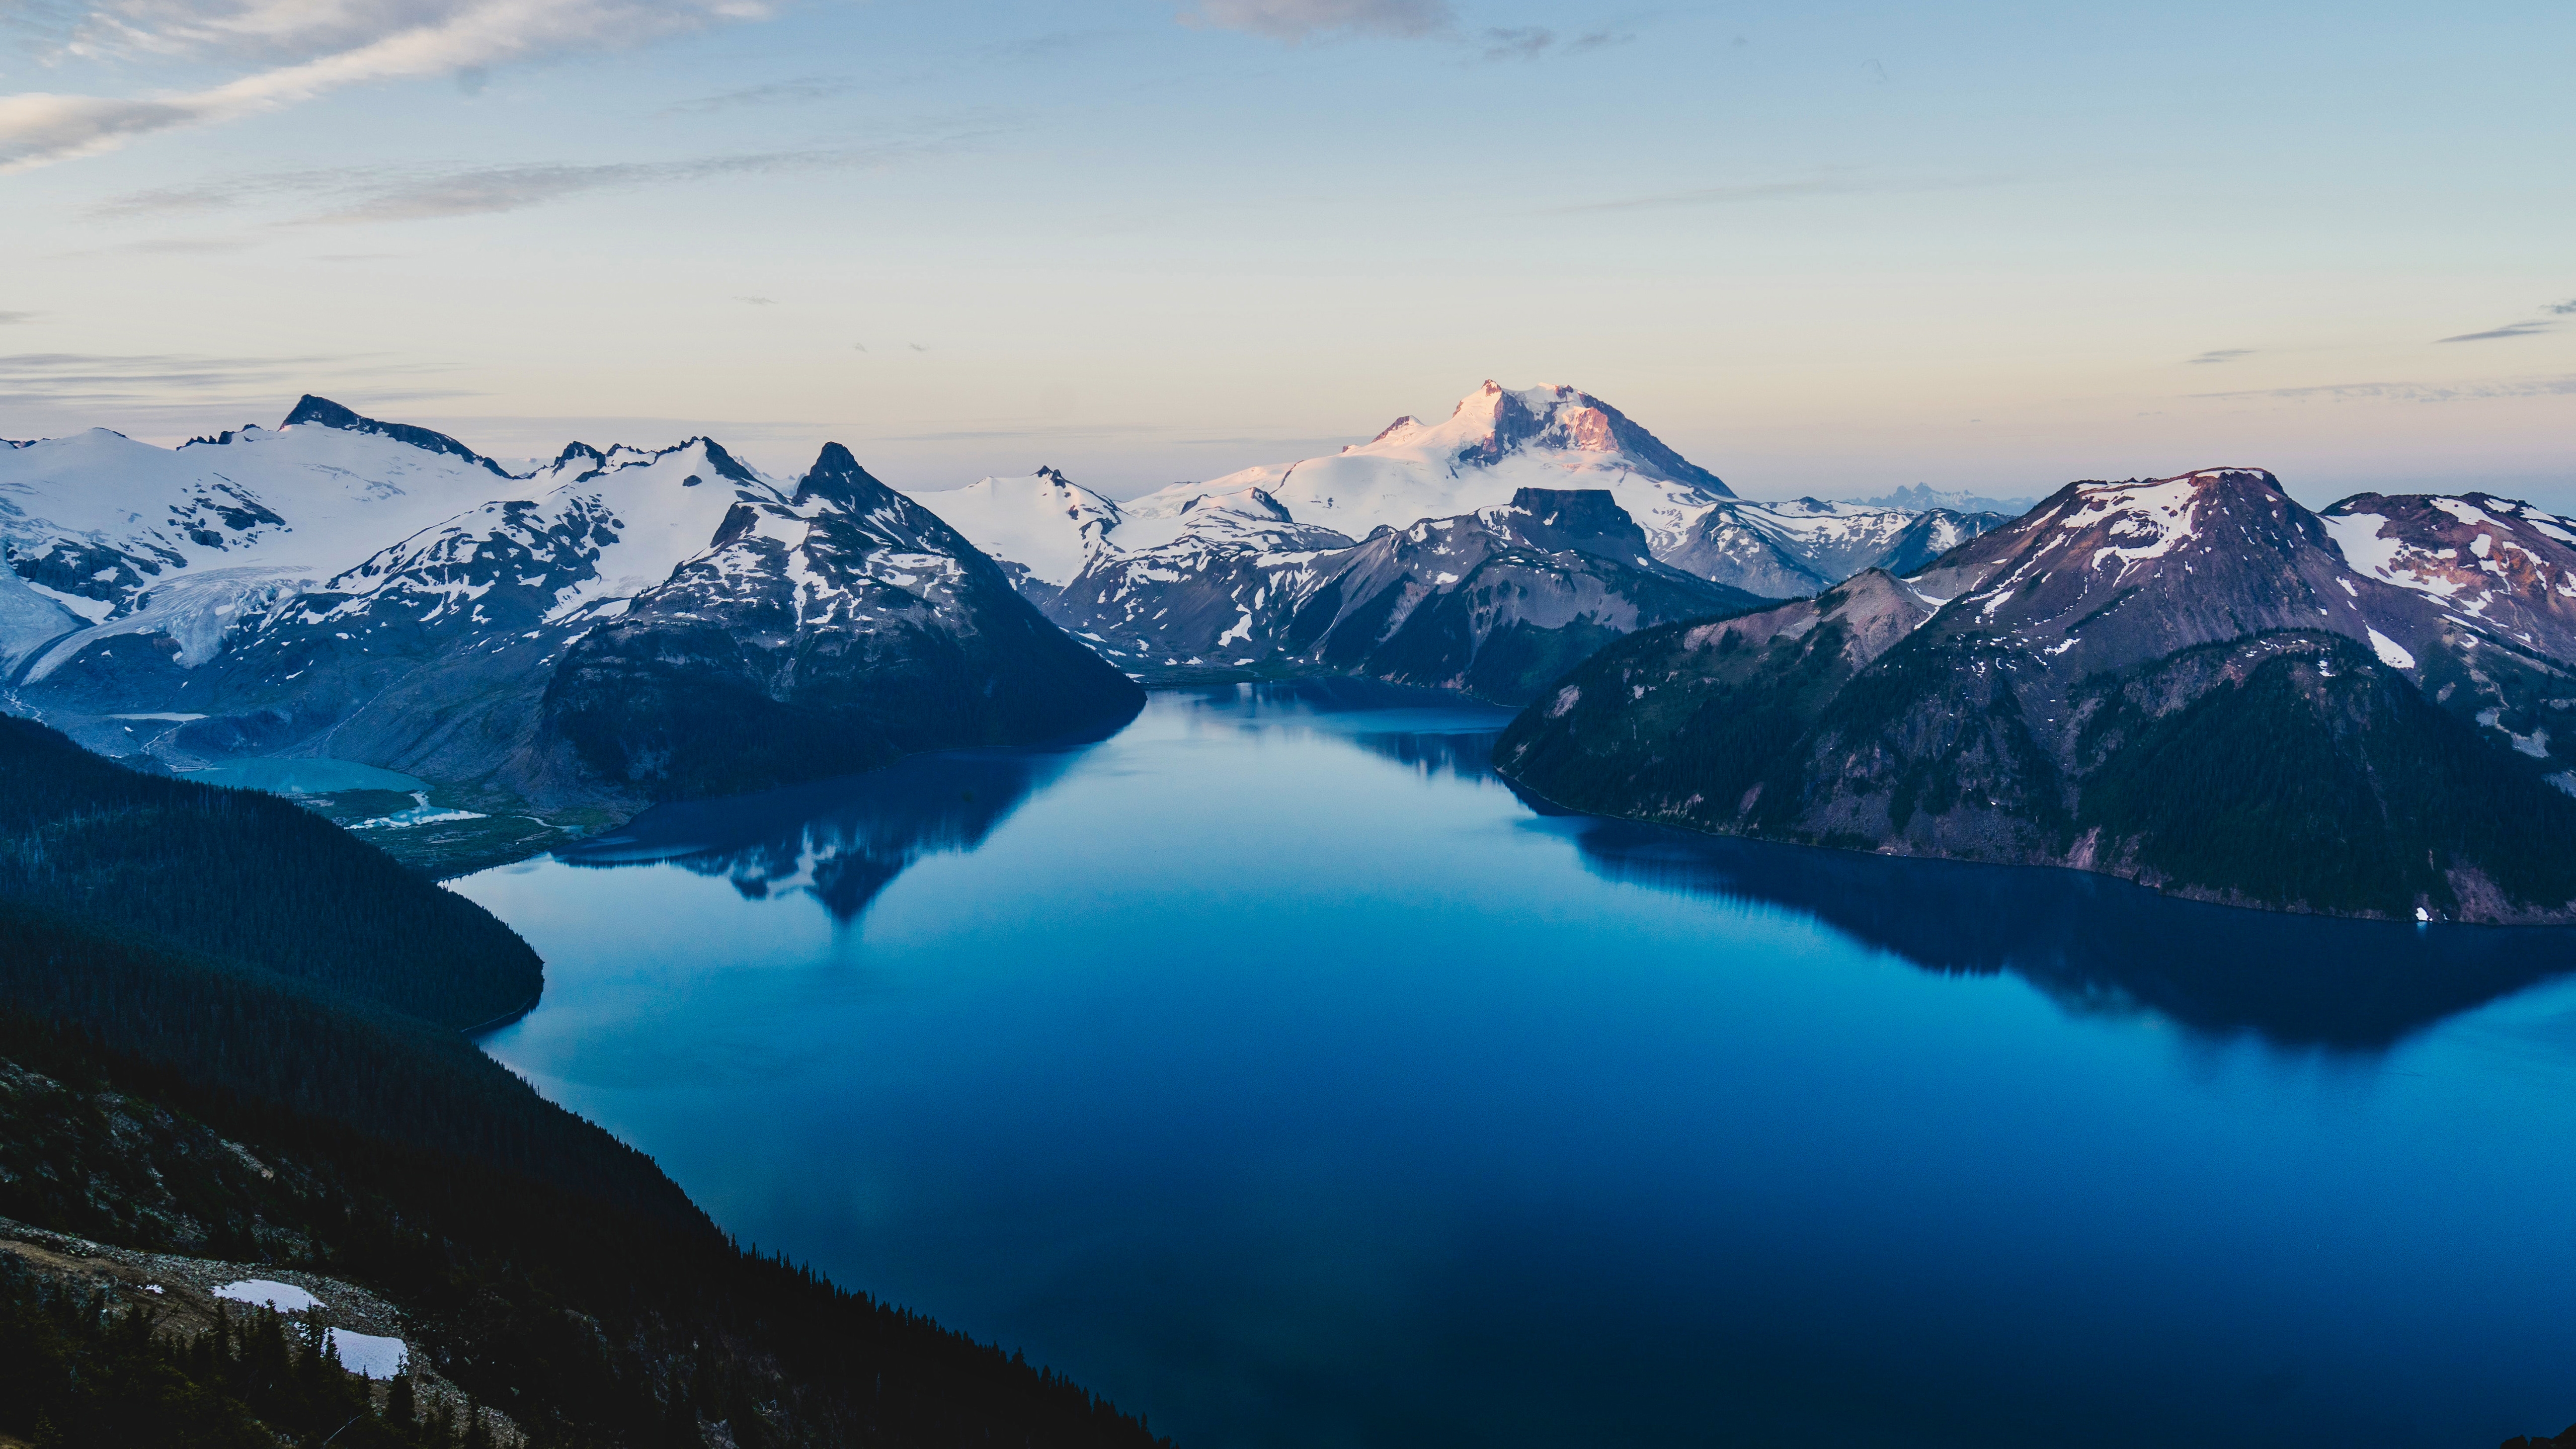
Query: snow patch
[284, 1297]
[2390, 652]
[370, 1355]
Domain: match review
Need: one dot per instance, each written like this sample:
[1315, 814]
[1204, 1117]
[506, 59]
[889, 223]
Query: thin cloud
[1770, 191]
[1537, 42]
[2563, 309]
[317, 49]
[1048, 46]
[11, 319]
[2407, 391]
[2224, 354]
[758, 301]
[1296, 21]
[420, 193]
[483, 190]
[776, 93]
[88, 377]
[168, 246]
[2510, 329]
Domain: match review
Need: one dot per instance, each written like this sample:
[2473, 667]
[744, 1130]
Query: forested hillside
[165, 1088]
[247, 875]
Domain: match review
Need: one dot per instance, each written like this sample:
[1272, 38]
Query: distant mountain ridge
[1198, 580]
[2191, 681]
[380, 592]
[1924, 498]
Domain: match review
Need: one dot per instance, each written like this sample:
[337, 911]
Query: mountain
[180, 543]
[1496, 442]
[1803, 546]
[1496, 602]
[1924, 498]
[353, 589]
[820, 634]
[1197, 577]
[2190, 681]
[227, 1051]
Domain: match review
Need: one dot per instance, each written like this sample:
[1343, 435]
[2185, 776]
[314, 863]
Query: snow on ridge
[1044, 522]
[2390, 652]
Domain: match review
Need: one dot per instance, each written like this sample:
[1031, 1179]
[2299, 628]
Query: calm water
[1276, 1071]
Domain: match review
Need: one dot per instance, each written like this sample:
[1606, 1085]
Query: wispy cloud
[2224, 354]
[2408, 391]
[167, 246]
[10, 319]
[311, 49]
[1048, 46]
[371, 194]
[1302, 20]
[2563, 309]
[90, 377]
[2510, 329]
[1757, 191]
[758, 301]
[775, 93]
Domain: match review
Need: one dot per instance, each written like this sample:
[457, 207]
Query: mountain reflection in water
[2095, 944]
[840, 841]
[2091, 943]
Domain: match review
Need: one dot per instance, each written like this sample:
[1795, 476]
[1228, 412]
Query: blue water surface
[1278, 1072]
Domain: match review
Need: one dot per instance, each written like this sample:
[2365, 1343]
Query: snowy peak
[322, 412]
[1043, 524]
[1495, 422]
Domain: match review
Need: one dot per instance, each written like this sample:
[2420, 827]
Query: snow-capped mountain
[1924, 498]
[1805, 545]
[1496, 442]
[1495, 602]
[1108, 568]
[1043, 527]
[382, 593]
[839, 628]
[185, 542]
[2192, 681]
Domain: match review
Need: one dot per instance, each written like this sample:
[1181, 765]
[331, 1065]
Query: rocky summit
[2191, 681]
[611, 627]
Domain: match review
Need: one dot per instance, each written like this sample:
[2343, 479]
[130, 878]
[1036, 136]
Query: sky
[1828, 249]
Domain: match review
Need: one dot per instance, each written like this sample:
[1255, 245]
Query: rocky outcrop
[2186, 681]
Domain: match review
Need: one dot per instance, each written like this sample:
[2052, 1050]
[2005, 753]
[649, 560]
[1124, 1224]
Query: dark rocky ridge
[1496, 602]
[825, 634]
[786, 632]
[2181, 681]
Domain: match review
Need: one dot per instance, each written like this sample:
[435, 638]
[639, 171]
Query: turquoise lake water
[1275, 1070]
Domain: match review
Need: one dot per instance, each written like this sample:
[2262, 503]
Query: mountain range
[1242, 576]
[617, 626]
[2190, 681]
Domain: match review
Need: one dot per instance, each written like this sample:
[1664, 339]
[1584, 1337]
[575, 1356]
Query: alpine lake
[1275, 1070]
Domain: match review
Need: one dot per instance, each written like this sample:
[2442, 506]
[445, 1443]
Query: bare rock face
[1496, 602]
[820, 634]
[613, 626]
[2189, 681]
